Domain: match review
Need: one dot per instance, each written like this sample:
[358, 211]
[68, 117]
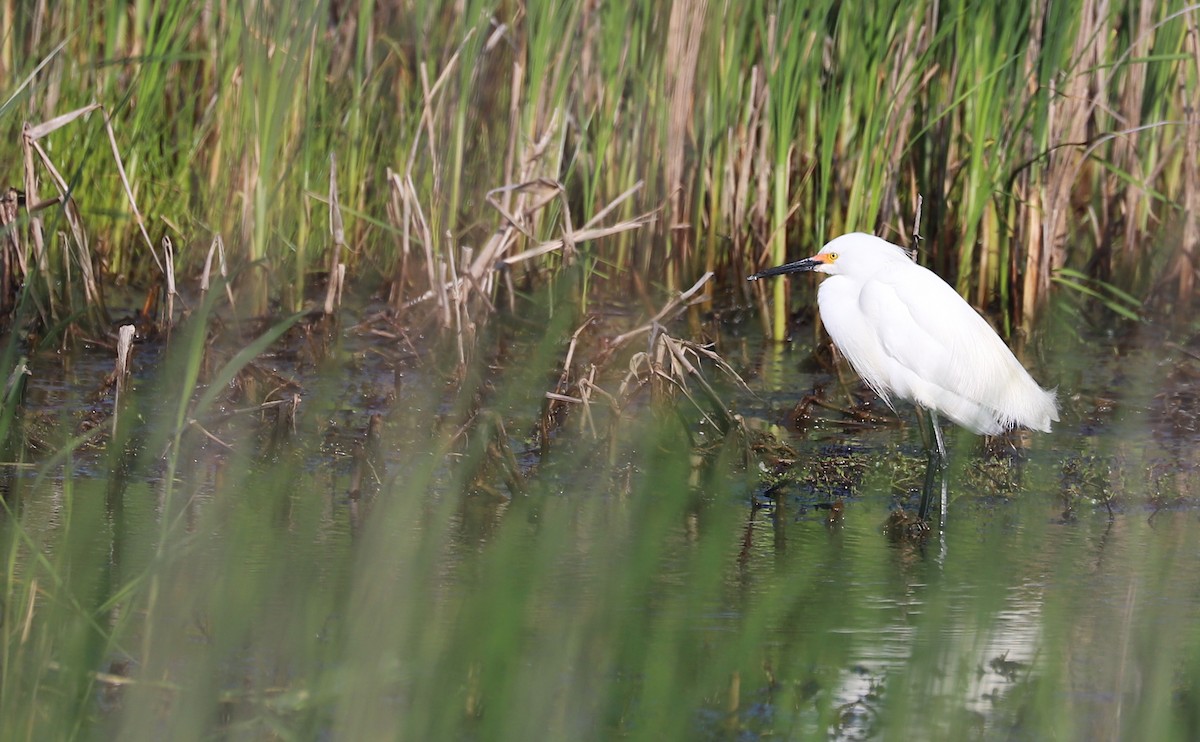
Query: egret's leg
[935, 469]
[937, 436]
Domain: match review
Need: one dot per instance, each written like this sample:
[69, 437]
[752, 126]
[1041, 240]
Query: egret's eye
[832, 257]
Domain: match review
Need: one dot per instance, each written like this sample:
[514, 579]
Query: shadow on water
[385, 559]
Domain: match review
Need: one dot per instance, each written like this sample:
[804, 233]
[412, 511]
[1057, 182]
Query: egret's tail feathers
[1035, 409]
[1031, 407]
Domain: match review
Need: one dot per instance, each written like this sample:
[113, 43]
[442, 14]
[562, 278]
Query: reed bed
[1048, 144]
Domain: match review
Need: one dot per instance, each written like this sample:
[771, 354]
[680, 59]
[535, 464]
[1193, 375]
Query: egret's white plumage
[909, 335]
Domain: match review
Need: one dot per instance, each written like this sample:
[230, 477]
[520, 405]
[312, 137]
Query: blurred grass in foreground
[628, 591]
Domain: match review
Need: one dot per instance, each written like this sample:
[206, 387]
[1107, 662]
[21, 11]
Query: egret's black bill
[797, 267]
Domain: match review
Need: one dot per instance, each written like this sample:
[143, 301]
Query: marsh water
[660, 585]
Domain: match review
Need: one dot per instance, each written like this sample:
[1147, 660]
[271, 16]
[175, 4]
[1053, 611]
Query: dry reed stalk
[669, 361]
[534, 155]
[400, 215]
[1027, 195]
[760, 214]
[340, 285]
[12, 257]
[458, 299]
[46, 128]
[169, 261]
[504, 237]
[685, 31]
[209, 435]
[411, 218]
[91, 285]
[121, 372]
[428, 95]
[206, 272]
[124, 347]
[8, 17]
[337, 231]
[587, 387]
[218, 248]
[582, 235]
[441, 290]
[480, 274]
[747, 153]
[1027, 186]
[1072, 110]
[902, 87]
[1187, 261]
[1125, 153]
[556, 398]
[514, 128]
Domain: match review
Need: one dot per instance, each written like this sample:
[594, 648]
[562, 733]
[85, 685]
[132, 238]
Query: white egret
[909, 335]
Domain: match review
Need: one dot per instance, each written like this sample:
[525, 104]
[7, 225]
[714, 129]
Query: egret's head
[854, 253]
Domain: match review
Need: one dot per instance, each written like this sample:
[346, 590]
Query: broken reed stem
[124, 346]
[400, 214]
[169, 256]
[217, 249]
[338, 232]
[1187, 265]
[121, 372]
[677, 303]
[456, 298]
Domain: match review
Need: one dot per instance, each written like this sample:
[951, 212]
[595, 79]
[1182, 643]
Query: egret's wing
[927, 326]
[943, 354]
[947, 357]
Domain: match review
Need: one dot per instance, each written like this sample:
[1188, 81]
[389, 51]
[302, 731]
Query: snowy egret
[909, 335]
